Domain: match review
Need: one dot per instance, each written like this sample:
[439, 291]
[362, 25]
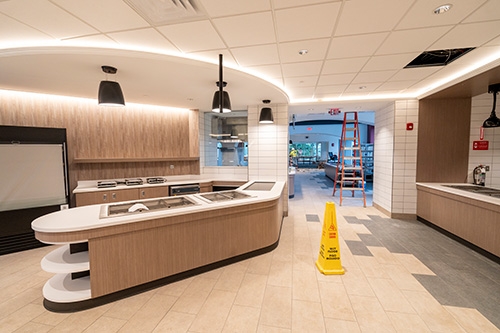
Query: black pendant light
[110, 93]
[493, 120]
[266, 114]
[221, 102]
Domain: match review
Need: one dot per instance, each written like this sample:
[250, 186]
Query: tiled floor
[401, 276]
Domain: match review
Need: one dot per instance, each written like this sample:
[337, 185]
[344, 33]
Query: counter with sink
[113, 250]
[467, 211]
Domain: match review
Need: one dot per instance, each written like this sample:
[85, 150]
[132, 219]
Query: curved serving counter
[113, 250]
[470, 214]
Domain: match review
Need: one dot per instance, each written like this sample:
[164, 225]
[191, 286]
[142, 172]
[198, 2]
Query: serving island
[105, 257]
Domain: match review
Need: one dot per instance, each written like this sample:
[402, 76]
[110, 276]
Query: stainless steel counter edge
[87, 217]
[469, 195]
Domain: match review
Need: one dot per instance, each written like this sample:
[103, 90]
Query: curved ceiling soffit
[246, 89]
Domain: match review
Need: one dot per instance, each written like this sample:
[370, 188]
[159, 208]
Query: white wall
[395, 158]
[481, 109]
[383, 157]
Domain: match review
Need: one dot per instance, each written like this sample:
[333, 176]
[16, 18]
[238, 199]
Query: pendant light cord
[220, 83]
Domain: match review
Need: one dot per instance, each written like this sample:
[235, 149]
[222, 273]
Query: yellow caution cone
[329, 252]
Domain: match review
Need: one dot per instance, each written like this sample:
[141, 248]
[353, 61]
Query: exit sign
[480, 145]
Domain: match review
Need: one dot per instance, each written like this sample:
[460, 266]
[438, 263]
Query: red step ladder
[349, 174]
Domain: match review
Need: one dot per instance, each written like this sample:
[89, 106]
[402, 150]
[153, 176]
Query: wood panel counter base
[98, 301]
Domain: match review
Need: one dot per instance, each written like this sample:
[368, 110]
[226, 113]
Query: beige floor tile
[472, 320]
[403, 279]
[195, 295]
[304, 262]
[20, 317]
[389, 295]
[371, 267]
[106, 325]
[307, 317]
[80, 321]
[277, 307]
[360, 229]
[127, 307]
[19, 301]
[341, 326]
[335, 302]
[231, 278]
[383, 255]
[280, 274]
[213, 314]
[146, 319]
[242, 319]
[407, 322]
[251, 291]
[175, 288]
[272, 329]
[355, 283]
[50, 318]
[33, 327]
[305, 286]
[435, 316]
[370, 315]
[175, 322]
[412, 264]
[260, 264]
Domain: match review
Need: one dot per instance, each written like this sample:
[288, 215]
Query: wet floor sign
[329, 252]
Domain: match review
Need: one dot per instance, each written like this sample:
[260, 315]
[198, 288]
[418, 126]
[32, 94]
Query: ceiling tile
[270, 71]
[323, 91]
[315, 21]
[14, 33]
[355, 46]
[335, 79]
[256, 55]
[316, 50]
[369, 77]
[96, 13]
[489, 11]
[418, 73]
[395, 86]
[246, 30]
[422, 14]
[46, 17]
[99, 39]
[411, 40]
[305, 81]
[303, 92]
[367, 16]
[143, 39]
[387, 62]
[364, 88]
[302, 69]
[192, 36]
[218, 8]
[338, 66]
[278, 4]
[468, 35]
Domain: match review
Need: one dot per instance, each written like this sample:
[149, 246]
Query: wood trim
[134, 160]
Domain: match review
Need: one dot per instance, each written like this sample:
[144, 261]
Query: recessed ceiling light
[442, 9]
[302, 52]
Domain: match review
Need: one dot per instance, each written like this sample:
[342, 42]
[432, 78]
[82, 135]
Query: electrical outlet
[171, 166]
[487, 168]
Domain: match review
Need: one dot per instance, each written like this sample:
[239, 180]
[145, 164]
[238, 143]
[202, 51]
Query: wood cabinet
[101, 197]
[206, 187]
[153, 192]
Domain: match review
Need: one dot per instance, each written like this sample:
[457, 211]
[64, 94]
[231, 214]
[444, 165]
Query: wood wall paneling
[443, 140]
[108, 132]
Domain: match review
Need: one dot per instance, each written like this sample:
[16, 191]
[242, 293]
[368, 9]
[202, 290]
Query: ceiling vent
[438, 57]
[167, 11]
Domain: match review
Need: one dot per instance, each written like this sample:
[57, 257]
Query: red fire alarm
[409, 126]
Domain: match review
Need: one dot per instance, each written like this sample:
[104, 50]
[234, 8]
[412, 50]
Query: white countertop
[87, 217]
[91, 185]
[444, 188]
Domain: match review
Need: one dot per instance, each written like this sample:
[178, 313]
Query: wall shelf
[134, 159]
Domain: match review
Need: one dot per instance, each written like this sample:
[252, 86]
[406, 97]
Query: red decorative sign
[480, 145]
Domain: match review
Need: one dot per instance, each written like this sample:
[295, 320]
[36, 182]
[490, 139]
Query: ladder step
[351, 168]
[346, 188]
[350, 139]
[352, 148]
[352, 157]
[351, 128]
[352, 178]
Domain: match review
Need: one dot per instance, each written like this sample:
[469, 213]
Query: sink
[137, 207]
[224, 196]
[492, 192]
